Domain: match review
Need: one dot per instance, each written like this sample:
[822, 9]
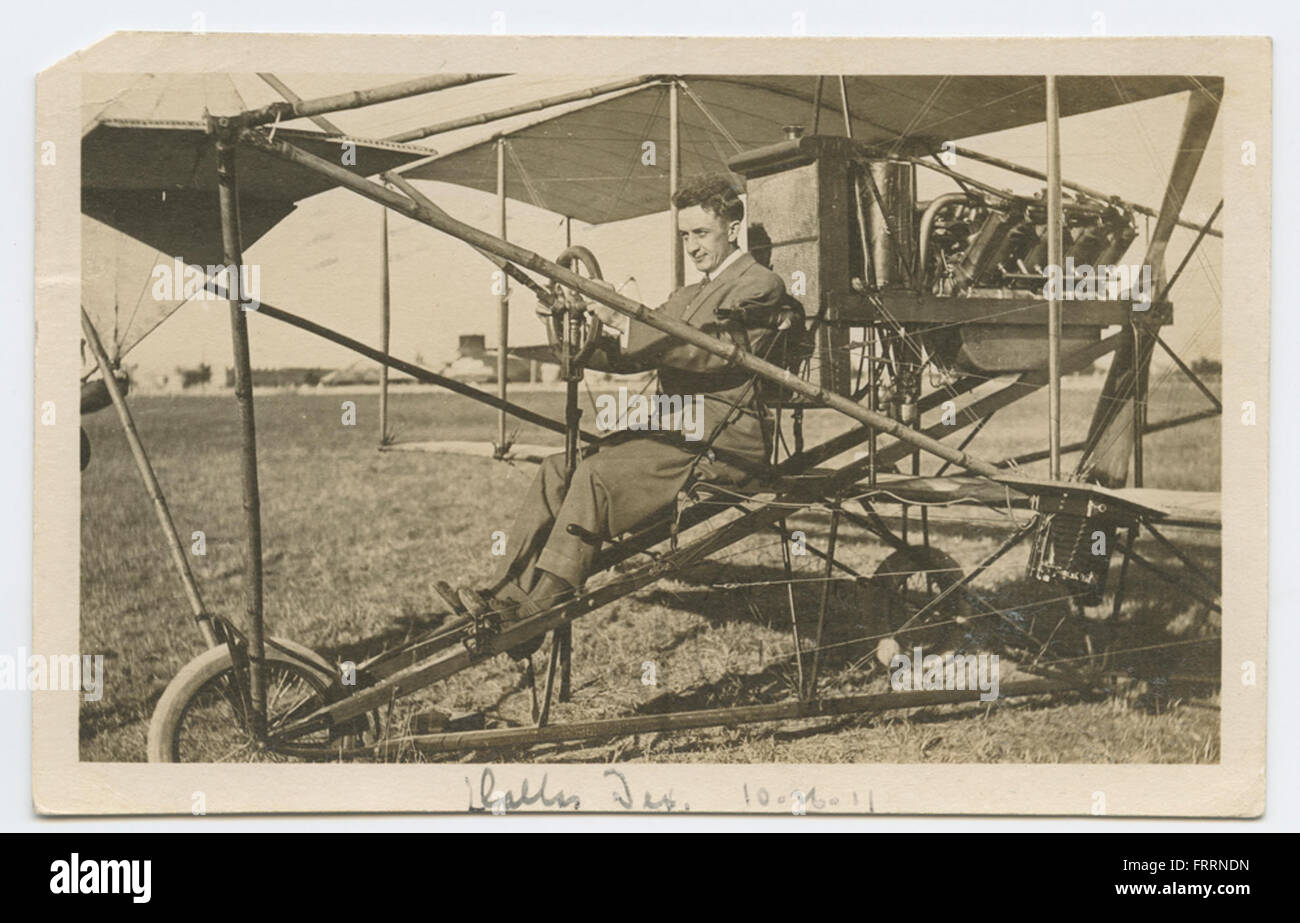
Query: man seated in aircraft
[627, 480]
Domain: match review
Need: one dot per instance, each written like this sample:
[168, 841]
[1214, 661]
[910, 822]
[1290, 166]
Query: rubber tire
[160, 746]
[918, 558]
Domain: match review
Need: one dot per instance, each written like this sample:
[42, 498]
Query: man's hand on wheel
[607, 315]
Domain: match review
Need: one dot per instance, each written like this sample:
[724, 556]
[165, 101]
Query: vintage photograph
[553, 418]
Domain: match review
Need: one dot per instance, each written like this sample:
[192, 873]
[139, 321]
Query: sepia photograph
[568, 434]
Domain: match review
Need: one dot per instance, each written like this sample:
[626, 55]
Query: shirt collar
[735, 255]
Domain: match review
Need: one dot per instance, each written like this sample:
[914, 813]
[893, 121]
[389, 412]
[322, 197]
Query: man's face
[708, 238]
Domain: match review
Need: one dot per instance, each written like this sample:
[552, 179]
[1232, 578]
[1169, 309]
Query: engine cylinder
[891, 230]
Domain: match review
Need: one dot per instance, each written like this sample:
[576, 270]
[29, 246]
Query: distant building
[473, 345]
[361, 372]
[198, 377]
[282, 378]
[476, 364]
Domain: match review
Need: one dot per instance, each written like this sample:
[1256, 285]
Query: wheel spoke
[214, 725]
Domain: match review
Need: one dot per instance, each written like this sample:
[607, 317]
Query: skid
[828, 706]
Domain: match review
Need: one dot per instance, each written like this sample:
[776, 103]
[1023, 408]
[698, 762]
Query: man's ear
[733, 231]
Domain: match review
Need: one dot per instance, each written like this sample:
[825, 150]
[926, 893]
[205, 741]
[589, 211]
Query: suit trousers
[622, 485]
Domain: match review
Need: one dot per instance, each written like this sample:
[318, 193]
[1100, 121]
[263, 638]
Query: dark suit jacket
[743, 304]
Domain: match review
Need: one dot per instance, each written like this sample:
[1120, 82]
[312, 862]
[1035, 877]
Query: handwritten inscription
[622, 794]
[499, 801]
[802, 801]
[624, 798]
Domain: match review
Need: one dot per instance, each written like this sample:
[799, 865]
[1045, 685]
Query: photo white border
[1244, 333]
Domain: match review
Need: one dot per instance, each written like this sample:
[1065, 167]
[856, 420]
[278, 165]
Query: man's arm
[750, 316]
[627, 346]
[608, 356]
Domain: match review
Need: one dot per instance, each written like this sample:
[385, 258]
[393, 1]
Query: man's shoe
[449, 596]
[480, 605]
[507, 611]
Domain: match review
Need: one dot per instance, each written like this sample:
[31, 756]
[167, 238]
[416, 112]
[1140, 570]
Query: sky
[323, 261]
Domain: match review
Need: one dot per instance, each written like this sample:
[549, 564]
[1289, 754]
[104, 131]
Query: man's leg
[620, 488]
[517, 575]
[623, 487]
[532, 525]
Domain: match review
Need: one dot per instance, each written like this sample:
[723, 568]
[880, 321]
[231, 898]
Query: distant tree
[1205, 366]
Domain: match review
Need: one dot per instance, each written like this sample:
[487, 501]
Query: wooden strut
[1127, 374]
[233, 256]
[422, 673]
[385, 321]
[1122, 585]
[725, 717]
[389, 662]
[623, 551]
[417, 372]
[503, 306]
[1016, 538]
[789, 593]
[1192, 376]
[174, 546]
[823, 602]
[285, 111]
[733, 354]
[1186, 561]
[447, 656]
[676, 252]
[571, 358]
[483, 118]
[510, 269]
[283, 89]
[1026, 384]
[1055, 231]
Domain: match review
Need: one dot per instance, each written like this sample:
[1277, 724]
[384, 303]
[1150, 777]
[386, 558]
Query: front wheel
[912, 578]
[203, 714]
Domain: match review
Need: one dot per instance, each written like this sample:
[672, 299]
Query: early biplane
[911, 306]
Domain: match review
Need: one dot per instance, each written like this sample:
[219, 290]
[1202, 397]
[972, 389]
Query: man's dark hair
[716, 194]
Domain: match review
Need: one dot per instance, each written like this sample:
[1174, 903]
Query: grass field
[353, 538]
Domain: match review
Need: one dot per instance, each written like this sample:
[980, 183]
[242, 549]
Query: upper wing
[149, 194]
[608, 160]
